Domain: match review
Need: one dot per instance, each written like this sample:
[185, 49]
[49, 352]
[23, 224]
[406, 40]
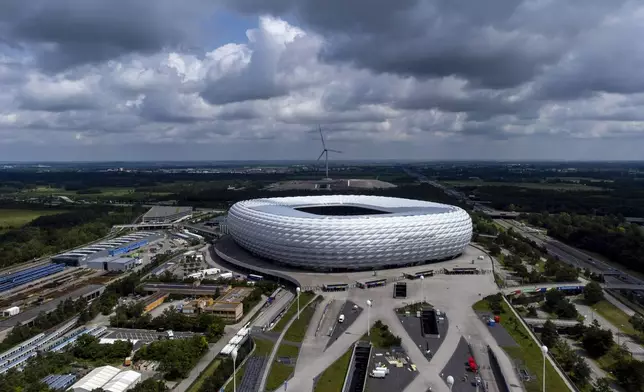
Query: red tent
[472, 364]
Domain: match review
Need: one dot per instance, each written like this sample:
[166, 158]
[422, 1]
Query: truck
[226, 275]
[128, 361]
[341, 318]
[170, 335]
[378, 374]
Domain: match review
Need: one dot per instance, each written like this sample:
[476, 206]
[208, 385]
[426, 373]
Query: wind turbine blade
[340, 152]
[320, 157]
[322, 137]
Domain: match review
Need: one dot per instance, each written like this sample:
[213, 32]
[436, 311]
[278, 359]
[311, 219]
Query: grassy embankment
[281, 372]
[332, 379]
[528, 352]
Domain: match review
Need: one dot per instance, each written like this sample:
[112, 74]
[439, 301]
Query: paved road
[590, 315]
[454, 294]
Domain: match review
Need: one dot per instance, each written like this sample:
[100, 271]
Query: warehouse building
[112, 264]
[111, 248]
[107, 378]
[164, 214]
[95, 379]
[186, 288]
[229, 306]
[123, 381]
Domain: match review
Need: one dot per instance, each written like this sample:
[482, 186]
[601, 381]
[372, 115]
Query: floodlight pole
[422, 286]
[234, 355]
[544, 350]
[369, 303]
[297, 290]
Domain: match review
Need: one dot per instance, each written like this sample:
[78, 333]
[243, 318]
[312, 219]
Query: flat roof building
[164, 214]
[95, 379]
[186, 288]
[122, 245]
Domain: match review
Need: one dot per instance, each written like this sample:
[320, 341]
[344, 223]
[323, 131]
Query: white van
[341, 318]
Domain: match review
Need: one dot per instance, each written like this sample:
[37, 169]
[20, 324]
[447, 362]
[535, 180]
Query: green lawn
[292, 310]
[297, 330]
[528, 185]
[615, 316]
[332, 379]
[209, 371]
[528, 353]
[280, 372]
[16, 218]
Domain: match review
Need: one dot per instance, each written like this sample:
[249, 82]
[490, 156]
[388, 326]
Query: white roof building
[95, 379]
[123, 381]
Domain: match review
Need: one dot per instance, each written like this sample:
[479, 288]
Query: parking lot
[143, 335]
[398, 365]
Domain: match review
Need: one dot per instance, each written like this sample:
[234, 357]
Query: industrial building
[154, 301]
[164, 214]
[186, 288]
[123, 381]
[110, 248]
[107, 378]
[113, 264]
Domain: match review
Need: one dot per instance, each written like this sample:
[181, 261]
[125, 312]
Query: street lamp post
[544, 350]
[422, 286]
[234, 355]
[369, 303]
[450, 382]
[297, 290]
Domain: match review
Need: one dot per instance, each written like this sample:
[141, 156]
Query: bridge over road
[567, 286]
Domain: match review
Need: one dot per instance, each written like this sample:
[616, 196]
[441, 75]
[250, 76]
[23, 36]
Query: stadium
[349, 232]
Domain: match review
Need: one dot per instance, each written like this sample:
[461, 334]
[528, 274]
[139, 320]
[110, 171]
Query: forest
[609, 236]
[50, 234]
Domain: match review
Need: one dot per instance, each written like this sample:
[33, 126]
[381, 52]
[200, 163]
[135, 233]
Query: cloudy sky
[252, 79]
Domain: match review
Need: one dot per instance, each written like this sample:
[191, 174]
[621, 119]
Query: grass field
[297, 330]
[292, 310]
[280, 372]
[528, 353]
[528, 185]
[16, 218]
[615, 316]
[332, 379]
[209, 371]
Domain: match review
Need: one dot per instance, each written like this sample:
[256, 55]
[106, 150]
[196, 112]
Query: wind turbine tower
[325, 153]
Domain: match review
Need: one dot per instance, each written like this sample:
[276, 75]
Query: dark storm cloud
[71, 32]
[495, 44]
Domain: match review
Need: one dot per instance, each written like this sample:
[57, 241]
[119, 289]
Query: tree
[597, 341]
[629, 373]
[593, 293]
[532, 311]
[495, 250]
[638, 322]
[602, 385]
[549, 335]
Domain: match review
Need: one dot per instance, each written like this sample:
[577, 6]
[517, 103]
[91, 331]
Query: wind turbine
[325, 152]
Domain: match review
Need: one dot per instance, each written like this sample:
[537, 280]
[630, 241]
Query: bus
[255, 277]
[371, 283]
[335, 287]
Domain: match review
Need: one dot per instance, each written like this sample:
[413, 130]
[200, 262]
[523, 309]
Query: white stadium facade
[349, 232]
